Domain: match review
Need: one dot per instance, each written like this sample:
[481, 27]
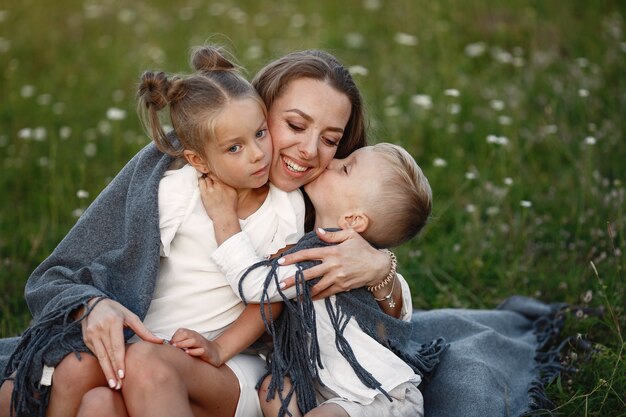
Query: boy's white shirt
[191, 291]
[234, 257]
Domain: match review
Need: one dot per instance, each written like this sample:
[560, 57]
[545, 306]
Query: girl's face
[241, 153]
[307, 122]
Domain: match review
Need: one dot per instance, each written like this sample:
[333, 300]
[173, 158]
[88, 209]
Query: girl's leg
[102, 402]
[327, 410]
[5, 398]
[162, 380]
[272, 407]
[72, 379]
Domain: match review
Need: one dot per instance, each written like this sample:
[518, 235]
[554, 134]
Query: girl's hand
[103, 333]
[352, 263]
[195, 344]
[220, 203]
[219, 199]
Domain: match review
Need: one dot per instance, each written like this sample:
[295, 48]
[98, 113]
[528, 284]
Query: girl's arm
[248, 327]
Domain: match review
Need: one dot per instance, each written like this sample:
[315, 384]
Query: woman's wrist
[383, 290]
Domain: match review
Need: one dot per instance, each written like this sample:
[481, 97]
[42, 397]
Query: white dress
[190, 290]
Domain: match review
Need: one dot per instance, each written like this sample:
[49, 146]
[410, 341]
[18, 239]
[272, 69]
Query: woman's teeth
[293, 166]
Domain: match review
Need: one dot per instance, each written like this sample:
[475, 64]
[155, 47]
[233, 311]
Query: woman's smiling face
[306, 123]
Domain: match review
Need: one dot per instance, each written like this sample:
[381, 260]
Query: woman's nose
[308, 148]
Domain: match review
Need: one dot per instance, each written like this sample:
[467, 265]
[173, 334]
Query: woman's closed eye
[295, 127]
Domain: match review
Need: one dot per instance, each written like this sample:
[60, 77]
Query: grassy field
[515, 110]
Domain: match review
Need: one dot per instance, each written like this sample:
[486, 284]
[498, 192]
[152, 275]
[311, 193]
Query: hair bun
[210, 58]
[153, 89]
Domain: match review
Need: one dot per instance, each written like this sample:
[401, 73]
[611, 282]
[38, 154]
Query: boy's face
[346, 185]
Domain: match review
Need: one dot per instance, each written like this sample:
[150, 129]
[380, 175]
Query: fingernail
[321, 231]
[119, 385]
[281, 261]
[282, 285]
[112, 383]
[120, 373]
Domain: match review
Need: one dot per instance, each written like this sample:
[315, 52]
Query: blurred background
[515, 111]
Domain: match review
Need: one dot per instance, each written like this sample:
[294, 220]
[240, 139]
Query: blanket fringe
[56, 330]
[548, 360]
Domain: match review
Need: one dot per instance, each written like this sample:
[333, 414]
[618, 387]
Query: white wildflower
[525, 203]
[473, 50]
[452, 92]
[118, 95]
[422, 100]
[58, 108]
[471, 175]
[5, 45]
[497, 105]
[454, 108]
[40, 133]
[371, 4]
[90, 149]
[354, 40]
[405, 39]
[82, 194]
[582, 92]
[44, 99]
[582, 62]
[113, 113]
[392, 111]
[590, 140]
[470, 208]
[358, 70]
[254, 52]
[27, 91]
[185, 13]
[504, 120]
[508, 181]
[65, 132]
[439, 162]
[548, 130]
[126, 16]
[78, 212]
[25, 133]
[492, 210]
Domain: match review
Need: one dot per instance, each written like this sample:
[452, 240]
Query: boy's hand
[195, 344]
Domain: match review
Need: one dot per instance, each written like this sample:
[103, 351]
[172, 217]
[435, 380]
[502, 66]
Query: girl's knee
[146, 365]
[99, 401]
[74, 374]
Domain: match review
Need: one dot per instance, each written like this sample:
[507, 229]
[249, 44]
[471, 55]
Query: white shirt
[190, 290]
[235, 256]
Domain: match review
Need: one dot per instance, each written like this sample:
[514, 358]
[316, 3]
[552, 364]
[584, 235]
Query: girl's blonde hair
[401, 208]
[194, 100]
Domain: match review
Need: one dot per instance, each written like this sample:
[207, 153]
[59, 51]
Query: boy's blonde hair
[401, 208]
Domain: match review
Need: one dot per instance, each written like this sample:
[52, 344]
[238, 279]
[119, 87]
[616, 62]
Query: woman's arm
[351, 263]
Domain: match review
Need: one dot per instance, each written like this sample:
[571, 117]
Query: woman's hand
[195, 344]
[103, 333]
[352, 263]
[220, 203]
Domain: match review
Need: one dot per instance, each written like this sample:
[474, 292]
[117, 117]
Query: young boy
[359, 367]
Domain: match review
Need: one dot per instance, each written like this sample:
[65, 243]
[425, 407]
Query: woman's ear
[356, 221]
[196, 161]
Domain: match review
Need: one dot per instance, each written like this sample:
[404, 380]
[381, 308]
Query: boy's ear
[358, 222]
[196, 161]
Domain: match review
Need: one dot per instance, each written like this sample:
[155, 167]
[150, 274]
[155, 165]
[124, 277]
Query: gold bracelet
[389, 296]
[390, 276]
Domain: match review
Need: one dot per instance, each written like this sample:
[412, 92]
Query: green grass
[515, 111]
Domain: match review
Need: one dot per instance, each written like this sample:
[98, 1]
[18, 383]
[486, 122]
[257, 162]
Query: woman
[314, 113]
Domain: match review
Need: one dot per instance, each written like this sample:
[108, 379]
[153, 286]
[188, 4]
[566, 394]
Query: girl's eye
[234, 149]
[261, 133]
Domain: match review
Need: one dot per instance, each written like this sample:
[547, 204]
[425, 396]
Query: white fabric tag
[46, 376]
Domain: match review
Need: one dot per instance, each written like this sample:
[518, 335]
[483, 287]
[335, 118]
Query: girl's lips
[261, 171]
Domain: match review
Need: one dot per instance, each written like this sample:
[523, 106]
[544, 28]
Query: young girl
[362, 366]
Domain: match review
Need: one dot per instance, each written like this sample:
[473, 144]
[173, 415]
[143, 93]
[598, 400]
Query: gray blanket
[492, 367]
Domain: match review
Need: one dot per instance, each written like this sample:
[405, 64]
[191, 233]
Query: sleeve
[407, 301]
[177, 191]
[235, 256]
